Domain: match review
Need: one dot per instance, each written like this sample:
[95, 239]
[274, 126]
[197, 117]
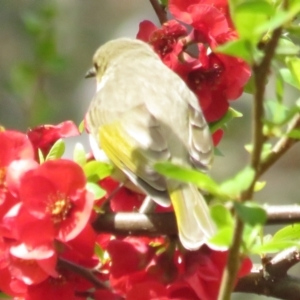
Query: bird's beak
[90, 73]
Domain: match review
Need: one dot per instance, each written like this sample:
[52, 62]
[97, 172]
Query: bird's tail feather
[194, 223]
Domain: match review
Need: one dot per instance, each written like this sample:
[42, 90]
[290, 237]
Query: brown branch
[137, 223]
[272, 279]
[281, 147]
[165, 223]
[83, 272]
[160, 11]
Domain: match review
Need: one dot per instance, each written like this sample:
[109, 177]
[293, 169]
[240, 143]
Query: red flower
[213, 77]
[43, 137]
[15, 148]
[204, 270]
[124, 200]
[55, 192]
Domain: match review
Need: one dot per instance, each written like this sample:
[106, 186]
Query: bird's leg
[147, 206]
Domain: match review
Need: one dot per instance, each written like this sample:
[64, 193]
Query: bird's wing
[134, 143]
[200, 141]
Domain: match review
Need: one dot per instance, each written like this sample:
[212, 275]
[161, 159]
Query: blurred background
[46, 49]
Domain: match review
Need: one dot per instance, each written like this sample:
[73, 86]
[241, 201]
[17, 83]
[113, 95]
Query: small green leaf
[79, 155]
[96, 190]
[289, 78]
[287, 47]
[259, 185]
[293, 63]
[251, 236]
[239, 183]
[291, 232]
[57, 150]
[251, 213]
[221, 216]
[96, 170]
[231, 114]
[250, 15]
[188, 175]
[294, 134]
[279, 88]
[267, 149]
[218, 152]
[99, 252]
[222, 239]
[81, 127]
[276, 112]
[237, 48]
[41, 156]
[272, 247]
[164, 2]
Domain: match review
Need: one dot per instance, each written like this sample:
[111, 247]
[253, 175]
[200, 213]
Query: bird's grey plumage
[161, 121]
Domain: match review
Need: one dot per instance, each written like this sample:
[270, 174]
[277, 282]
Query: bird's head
[114, 52]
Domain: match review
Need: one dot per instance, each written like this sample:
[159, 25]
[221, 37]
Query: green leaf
[287, 47]
[41, 156]
[249, 87]
[289, 78]
[57, 150]
[293, 63]
[96, 170]
[276, 112]
[267, 149]
[99, 252]
[79, 155]
[259, 185]
[294, 134]
[291, 232]
[188, 175]
[250, 15]
[81, 126]
[279, 85]
[222, 239]
[231, 114]
[272, 247]
[164, 2]
[96, 190]
[251, 213]
[218, 152]
[239, 183]
[237, 48]
[221, 216]
[251, 236]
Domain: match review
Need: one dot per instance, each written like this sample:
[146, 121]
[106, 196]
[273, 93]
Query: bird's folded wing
[134, 143]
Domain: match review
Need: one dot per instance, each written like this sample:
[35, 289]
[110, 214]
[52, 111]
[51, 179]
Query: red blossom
[124, 200]
[213, 77]
[204, 270]
[55, 192]
[43, 137]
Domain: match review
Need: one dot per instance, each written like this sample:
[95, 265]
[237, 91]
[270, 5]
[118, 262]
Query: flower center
[60, 208]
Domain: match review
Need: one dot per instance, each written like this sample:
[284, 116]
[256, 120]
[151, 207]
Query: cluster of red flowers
[215, 78]
[46, 215]
[45, 211]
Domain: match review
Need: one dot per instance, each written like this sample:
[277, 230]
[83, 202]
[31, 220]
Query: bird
[143, 113]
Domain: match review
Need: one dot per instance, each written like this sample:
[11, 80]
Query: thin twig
[160, 11]
[281, 147]
[83, 272]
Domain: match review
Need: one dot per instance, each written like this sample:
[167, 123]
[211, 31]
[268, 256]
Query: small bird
[143, 113]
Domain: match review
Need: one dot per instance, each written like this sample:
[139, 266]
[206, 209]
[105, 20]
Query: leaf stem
[160, 11]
